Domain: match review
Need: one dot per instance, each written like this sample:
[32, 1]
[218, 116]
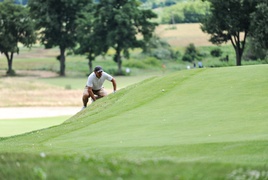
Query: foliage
[191, 53]
[154, 4]
[21, 2]
[159, 49]
[15, 27]
[254, 50]
[217, 52]
[186, 12]
[229, 21]
[90, 35]
[123, 21]
[259, 25]
[56, 23]
[143, 64]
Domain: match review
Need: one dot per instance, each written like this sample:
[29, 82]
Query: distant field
[52, 91]
[27, 91]
[181, 35]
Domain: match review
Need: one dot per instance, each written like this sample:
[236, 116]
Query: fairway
[11, 127]
[208, 123]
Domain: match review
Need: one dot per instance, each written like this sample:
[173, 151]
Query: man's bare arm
[91, 94]
[114, 84]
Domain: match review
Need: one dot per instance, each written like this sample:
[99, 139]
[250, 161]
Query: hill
[181, 35]
[192, 124]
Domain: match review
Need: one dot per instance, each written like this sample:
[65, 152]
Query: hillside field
[181, 35]
[208, 123]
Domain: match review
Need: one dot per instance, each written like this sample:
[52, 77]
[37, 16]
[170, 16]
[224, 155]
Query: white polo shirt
[97, 83]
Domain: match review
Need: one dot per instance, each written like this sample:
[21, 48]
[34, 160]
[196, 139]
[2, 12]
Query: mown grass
[11, 127]
[192, 124]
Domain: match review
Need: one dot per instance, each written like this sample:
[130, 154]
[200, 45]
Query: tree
[260, 24]
[191, 53]
[56, 22]
[15, 27]
[123, 21]
[159, 49]
[90, 36]
[184, 12]
[254, 50]
[229, 21]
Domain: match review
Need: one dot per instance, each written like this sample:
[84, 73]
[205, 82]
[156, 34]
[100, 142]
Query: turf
[192, 124]
[10, 127]
[79, 83]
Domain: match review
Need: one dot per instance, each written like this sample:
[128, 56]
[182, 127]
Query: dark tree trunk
[239, 46]
[90, 68]
[119, 61]
[9, 62]
[238, 57]
[62, 61]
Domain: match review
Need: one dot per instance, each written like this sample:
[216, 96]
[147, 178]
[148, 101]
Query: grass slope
[194, 124]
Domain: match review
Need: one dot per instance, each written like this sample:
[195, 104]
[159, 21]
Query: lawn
[208, 123]
[11, 127]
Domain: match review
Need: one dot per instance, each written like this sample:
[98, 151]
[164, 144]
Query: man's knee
[85, 96]
[103, 93]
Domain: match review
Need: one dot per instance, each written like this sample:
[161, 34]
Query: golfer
[94, 87]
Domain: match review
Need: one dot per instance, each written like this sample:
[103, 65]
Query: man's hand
[91, 94]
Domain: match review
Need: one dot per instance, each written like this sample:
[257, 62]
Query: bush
[111, 71]
[161, 53]
[159, 49]
[187, 57]
[216, 52]
[254, 51]
[152, 62]
[143, 64]
[191, 53]
[135, 64]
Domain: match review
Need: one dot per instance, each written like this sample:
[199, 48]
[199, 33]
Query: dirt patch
[27, 91]
[47, 97]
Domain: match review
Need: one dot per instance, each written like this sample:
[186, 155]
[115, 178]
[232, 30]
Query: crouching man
[94, 87]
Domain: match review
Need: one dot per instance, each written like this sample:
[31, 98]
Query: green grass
[9, 127]
[79, 82]
[193, 124]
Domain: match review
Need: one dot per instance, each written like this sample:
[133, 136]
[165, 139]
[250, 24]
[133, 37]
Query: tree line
[90, 29]
[80, 26]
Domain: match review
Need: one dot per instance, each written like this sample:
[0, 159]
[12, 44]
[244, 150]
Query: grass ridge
[192, 124]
